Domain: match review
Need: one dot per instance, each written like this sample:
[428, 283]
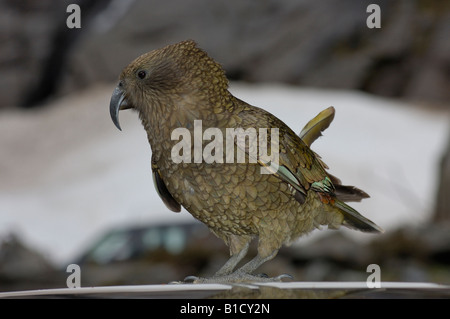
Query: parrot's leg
[267, 250]
[254, 264]
[238, 250]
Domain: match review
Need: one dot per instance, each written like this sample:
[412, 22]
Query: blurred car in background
[150, 254]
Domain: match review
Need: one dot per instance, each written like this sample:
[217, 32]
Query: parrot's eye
[142, 74]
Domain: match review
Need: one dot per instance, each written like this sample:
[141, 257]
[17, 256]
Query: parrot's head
[159, 78]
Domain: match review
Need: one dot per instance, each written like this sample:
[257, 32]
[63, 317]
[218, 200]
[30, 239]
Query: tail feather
[354, 220]
[349, 193]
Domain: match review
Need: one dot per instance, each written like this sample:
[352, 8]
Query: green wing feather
[314, 128]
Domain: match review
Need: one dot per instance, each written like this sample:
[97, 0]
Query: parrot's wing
[297, 164]
[301, 168]
[163, 192]
[296, 157]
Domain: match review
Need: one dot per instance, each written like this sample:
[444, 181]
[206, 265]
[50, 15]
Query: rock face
[21, 267]
[35, 43]
[442, 211]
[309, 43]
[25, 34]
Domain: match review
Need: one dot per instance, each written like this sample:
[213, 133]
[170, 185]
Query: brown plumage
[174, 86]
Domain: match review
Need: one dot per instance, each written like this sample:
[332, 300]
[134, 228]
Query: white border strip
[116, 289]
[219, 287]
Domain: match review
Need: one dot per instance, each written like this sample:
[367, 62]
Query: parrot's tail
[354, 220]
[349, 193]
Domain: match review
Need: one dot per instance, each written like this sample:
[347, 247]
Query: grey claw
[190, 279]
[284, 276]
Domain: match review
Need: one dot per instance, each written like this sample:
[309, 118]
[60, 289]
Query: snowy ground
[67, 173]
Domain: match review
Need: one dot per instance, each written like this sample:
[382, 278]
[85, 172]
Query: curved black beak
[116, 104]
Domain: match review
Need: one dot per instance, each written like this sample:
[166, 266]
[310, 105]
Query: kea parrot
[179, 84]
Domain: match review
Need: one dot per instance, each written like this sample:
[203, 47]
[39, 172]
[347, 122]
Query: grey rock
[442, 209]
[307, 42]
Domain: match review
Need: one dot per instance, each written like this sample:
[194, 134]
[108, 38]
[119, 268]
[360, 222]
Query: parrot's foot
[236, 277]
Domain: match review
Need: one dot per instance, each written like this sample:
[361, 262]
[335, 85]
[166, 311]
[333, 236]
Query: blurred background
[73, 189]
